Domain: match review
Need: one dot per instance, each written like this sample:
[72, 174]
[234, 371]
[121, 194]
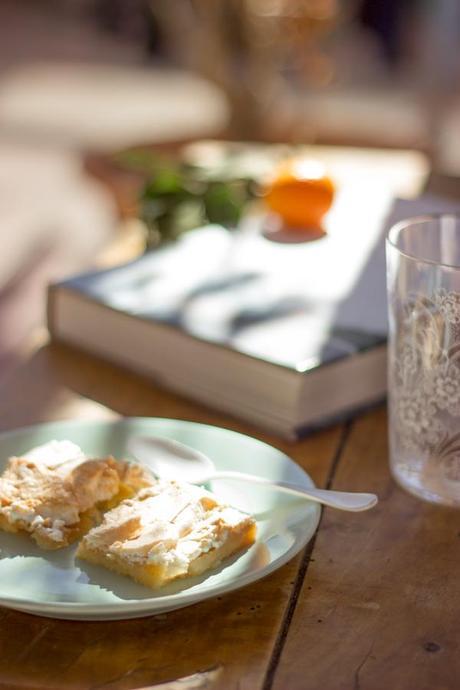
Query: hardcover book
[287, 336]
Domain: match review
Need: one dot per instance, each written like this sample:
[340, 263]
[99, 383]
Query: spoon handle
[342, 500]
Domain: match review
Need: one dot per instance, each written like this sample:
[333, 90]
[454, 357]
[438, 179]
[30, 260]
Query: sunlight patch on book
[238, 289]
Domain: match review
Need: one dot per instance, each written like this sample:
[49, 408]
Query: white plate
[56, 584]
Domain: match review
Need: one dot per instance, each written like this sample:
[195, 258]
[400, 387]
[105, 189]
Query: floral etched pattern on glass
[424, 376]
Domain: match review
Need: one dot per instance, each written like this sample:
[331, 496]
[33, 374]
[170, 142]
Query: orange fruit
[300, 192]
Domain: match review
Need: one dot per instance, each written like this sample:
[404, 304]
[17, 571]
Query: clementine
[301, 193]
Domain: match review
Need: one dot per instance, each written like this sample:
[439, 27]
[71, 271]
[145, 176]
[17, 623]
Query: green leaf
[224, 203]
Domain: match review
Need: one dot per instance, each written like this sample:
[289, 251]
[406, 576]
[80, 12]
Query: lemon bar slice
[56, 493]
[169, 530]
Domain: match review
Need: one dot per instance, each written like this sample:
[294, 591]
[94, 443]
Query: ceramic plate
[57, 584]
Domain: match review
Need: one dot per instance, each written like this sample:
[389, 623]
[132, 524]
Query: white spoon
[170, 459]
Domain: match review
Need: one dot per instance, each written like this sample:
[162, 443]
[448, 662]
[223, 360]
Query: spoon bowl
[169, 459]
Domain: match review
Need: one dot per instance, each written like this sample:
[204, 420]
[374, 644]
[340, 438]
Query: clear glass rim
[425, 218]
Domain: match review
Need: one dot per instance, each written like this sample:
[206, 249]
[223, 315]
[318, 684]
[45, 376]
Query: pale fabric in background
[105, 107]
[48, 204]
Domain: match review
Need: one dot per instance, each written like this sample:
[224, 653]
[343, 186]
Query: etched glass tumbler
[423, 273]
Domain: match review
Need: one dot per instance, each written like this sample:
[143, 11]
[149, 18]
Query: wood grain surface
[226, 642]
[379, 605]
[370, 604]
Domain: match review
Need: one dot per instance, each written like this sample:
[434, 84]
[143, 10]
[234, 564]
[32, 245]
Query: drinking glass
[423, 273]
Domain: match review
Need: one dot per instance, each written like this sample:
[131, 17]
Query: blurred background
[81, 80]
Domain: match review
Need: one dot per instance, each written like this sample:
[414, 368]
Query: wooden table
[370, 604]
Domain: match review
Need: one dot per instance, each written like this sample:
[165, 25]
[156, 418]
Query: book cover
[297, 306]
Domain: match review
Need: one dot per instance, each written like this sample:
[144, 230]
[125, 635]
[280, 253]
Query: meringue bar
[56, 493]
[167, 531]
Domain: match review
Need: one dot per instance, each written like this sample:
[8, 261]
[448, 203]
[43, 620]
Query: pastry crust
[167, 531]
[56, 494]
